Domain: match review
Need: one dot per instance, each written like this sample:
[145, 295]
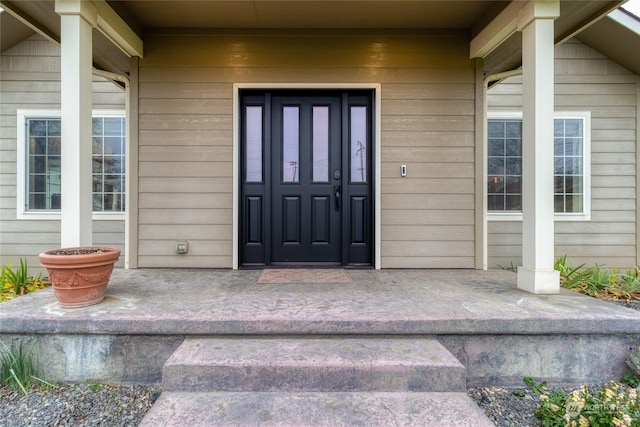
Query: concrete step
[329, 364]
[299, 409]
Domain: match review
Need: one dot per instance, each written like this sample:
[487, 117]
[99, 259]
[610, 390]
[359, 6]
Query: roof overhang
[618, 36]
[499, 43]
[123, 24]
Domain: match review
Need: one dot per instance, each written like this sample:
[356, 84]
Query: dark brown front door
[306, 189]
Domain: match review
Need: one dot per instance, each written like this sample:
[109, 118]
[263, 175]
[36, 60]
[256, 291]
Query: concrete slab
[498, 332]
[178, 409]
[208, 302]
[313, 364]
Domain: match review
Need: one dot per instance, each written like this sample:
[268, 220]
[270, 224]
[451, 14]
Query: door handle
[336, 194]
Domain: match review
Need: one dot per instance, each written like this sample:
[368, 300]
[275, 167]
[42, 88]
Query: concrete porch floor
[498, 332]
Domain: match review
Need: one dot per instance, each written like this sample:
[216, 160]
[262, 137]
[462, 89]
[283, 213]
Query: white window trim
[586, 166]
[21, 181]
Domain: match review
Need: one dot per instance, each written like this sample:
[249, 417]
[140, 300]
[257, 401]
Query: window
[108, 164]
[571, 166]
[504, 165]
[39, 164]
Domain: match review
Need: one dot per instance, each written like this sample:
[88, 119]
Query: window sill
[55, 216]
[494, 216]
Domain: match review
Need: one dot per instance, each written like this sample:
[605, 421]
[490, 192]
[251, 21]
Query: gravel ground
[77, 406]
[124, 406]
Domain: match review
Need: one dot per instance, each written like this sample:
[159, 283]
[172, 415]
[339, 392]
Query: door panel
[309, 200]
[305, 144]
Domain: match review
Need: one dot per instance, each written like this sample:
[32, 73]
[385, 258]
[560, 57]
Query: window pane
[320, 144]
[513, 129]
[97, 164]
[359, 149]
[558, 184]
[495, 184]
[54, 146]
[573, 128]
[43, 164]
[568, 165]
[38, 145]
[496, 147]
[513, 165]
[37, 127]
[558, 165]
[573, 184]
[53, 127]
[290, 144]
[495, 166]
[496, 202]
[574, 203]
[558, 147]
[113, 126]
[113, 164]
[558, 203]
[513, 185]
[97, 203]
[513, 203]
[573, 146]
[109, 141]
[253, 148]
[97, 126]
[113, 145]
[504, 165]
[573, 166]
[513, 147]
[495, 129]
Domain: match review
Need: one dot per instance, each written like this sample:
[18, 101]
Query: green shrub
[596, 281]
[18, 366]
[612, 405]
[18, 282]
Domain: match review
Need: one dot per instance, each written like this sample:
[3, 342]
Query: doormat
[304, 275]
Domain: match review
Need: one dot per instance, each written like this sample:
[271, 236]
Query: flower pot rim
[93, 248]
[106, 255]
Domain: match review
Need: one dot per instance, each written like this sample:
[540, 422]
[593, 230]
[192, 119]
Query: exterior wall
[587, 81]
[30, 79]
[186, 136]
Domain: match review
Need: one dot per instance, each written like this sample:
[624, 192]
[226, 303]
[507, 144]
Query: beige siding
[186, 146]
[587, 81]
[30, 79]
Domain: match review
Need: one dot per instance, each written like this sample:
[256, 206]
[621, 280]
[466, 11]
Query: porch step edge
[328, 364]
[195, 409]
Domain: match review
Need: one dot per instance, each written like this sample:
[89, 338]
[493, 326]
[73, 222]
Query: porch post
[536, 21]
[77, 18]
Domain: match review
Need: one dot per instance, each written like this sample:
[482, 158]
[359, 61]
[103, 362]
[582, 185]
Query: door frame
[236, 117]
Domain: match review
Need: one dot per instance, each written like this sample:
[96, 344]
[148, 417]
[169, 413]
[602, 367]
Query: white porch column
[78, 17]
[536, 21]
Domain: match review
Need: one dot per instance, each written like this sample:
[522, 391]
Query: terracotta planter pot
[79, 276]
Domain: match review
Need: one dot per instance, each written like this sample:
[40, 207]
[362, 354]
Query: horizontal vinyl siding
[186, 122]
[587, 81]
[24, 88]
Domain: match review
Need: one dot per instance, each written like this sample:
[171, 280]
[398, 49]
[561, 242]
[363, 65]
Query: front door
[306, 189]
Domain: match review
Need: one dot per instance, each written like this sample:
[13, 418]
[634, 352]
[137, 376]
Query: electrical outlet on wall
[182, 247]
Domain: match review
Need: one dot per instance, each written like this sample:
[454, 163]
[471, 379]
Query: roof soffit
[143, 16]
